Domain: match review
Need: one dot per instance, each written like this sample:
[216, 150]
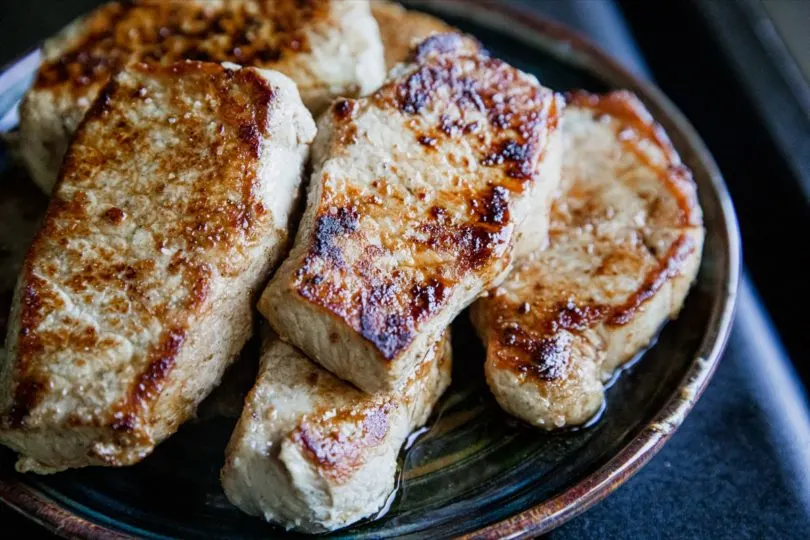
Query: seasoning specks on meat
[407, 219]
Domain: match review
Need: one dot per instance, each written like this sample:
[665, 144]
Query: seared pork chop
[313, 453]
[625, 245]
[401, 29]
[172, 208]
[413, 209]
[328, 47]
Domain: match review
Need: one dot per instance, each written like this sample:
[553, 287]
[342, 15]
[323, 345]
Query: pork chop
[328, 47]
[413, 209]
[625, 245]
[172, 209]
[401, 29]
[313, 453]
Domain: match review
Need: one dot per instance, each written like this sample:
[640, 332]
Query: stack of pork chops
[178, 141]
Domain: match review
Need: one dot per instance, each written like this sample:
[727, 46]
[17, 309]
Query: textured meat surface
[313, 453]
[172, 208]
[625, 245]
[401, 29]
[414, 208]
[328, 47]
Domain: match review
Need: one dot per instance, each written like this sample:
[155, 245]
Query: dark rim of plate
[570, 46]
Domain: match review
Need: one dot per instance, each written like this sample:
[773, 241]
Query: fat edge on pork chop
[414, 208]
[171, 209]
[625, 246]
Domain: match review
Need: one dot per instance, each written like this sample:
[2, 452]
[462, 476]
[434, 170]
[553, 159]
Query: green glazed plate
[473, 471]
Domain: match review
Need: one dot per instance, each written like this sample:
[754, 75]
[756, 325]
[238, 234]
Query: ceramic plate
[474, 471]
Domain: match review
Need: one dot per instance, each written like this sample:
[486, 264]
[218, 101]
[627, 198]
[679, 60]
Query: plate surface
[474, 471]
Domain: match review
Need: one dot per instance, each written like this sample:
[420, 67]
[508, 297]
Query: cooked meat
[401, 29]
[413, 208]
[228, 398]
[328, 47]
[625, 246]
[171, 210]
[313, 453]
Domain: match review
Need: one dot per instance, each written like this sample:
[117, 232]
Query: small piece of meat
[401, 29]
[172, 209]
[625, 245]
[414, 208]
[315, 454]
[328, 47]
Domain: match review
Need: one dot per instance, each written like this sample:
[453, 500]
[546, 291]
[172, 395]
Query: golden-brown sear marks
[120, 33]
[337, 453]
[668, 267]
[487, 86]
[444, 97]
[533, 336]
[532, 340]
[211, 221]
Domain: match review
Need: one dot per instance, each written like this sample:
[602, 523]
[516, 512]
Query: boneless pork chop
[312, 452]
[413, 209]
[625, 245]
[328, 47]
[172, 208]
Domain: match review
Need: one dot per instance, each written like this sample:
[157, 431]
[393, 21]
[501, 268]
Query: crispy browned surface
[322, 437]
[150, 218]
[533, 335]
[328, 47]
[339, 455]
[253, 33]
[394, 246]
[209, 222]
[626, 230]
[401, 29]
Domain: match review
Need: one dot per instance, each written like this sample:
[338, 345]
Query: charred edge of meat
[330, 226]
[568, 318]
[521, 120]
[27, 395]
[669, 267]
[344, 109]
[148, 385]
[388, 332]
[427, 298]
[445, 43]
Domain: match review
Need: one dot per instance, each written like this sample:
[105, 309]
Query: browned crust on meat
[388, 310]
[336, 454]
[164, 31]
[210, 222]
[668, 267]
[537, 345]
[533, 338]
[445, 43]
[400, 28]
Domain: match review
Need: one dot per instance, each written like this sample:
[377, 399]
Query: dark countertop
[739, 466]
